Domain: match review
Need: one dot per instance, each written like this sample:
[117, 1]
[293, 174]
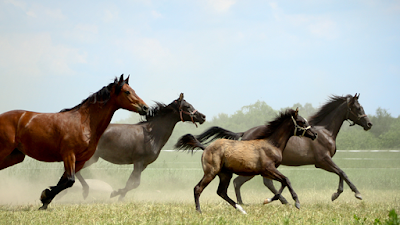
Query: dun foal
[262, 156]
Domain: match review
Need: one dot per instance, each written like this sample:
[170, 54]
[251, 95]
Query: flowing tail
[217, 133]
[188, 142]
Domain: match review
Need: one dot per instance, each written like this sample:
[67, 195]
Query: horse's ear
[180, 97]
[296, 112]
[127, 80]
[358, 96]
[121, 79]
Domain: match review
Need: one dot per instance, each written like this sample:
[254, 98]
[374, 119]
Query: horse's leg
[327, 164]
[198, 189]
[339, 190]
[66, 181]
[133, 181]
[85, 186]
[273, 173]
[224, 180]
[270, 185]
[237, 183]
[13, 158]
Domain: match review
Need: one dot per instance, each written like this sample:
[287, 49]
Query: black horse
[327, 122]
[140, 144]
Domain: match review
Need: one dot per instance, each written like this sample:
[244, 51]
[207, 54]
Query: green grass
[165, 195]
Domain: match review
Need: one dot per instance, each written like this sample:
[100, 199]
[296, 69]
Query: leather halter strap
[296, 126]
[191, 114]
[359, 117]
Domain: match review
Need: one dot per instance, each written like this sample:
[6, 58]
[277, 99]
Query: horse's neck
[161, 129]
[280, 137]
[96, 117]
[334, 120]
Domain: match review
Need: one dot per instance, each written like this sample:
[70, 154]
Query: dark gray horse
[327, 122]
[140, 144]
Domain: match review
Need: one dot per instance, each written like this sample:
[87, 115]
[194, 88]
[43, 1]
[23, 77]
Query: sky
[222, 54]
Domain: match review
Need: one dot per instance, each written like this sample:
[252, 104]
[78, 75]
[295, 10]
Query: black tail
[188, 142]
[218, 132]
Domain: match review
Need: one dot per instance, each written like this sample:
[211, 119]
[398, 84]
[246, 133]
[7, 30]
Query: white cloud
[319, 26]
[221, 6]
[110, 15]
[324, 29]
[149, 51]
[18, 4]
[156, 14]
[36, 55]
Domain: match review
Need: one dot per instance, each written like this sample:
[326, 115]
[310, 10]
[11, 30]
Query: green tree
[381, 122]
[391, 139]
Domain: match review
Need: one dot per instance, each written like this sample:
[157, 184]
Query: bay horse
[260, 156]
[327, 122]
[140, 144]
[70, 136]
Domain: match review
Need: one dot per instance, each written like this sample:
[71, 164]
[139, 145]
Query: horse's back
[243, 157]
[51, 136]
[121, 143]
[8, 128]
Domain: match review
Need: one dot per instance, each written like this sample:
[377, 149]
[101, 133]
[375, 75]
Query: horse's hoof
[297, 204]
[284, 201]
[358, 196]
[335, 196]
[238, 207]
[266, 201]
[43, 207]
[113, 194]
[85, 194]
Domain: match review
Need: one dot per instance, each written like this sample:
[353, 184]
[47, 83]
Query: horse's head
[127, 98]
[301, 126]
[355, 113]
[188, 113]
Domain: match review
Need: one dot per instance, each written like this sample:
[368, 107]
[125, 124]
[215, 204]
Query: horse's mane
[273, 125]
[102, 96]
[333, 103]
[159, 109]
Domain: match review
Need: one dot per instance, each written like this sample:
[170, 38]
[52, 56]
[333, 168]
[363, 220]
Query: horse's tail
[216, 133]
[188, 142]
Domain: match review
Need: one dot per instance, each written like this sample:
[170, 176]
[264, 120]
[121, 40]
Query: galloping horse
[140, 144]
[327, 122]
[261, 156]
[70, 136]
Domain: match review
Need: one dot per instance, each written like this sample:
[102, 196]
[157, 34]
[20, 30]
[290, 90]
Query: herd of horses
[79, 136]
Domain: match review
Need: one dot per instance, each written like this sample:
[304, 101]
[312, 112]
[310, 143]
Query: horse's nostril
[145, 108]
[369, 124]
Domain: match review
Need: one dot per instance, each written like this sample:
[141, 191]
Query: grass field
[165, 195]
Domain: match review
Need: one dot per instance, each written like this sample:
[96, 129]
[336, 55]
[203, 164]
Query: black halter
[352, 123]
[191, 114]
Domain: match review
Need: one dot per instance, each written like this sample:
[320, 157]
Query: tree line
[384, 133]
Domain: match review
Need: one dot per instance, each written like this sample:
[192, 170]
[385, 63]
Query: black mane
[159, 109]
[273, 125]
[333, 103]
[102, 96]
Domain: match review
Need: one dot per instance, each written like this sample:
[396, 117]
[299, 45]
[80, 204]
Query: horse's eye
[127, 92]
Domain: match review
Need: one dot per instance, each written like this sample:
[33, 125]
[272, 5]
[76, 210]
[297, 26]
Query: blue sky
[222, 54]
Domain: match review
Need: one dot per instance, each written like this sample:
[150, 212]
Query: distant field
[166, 193]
